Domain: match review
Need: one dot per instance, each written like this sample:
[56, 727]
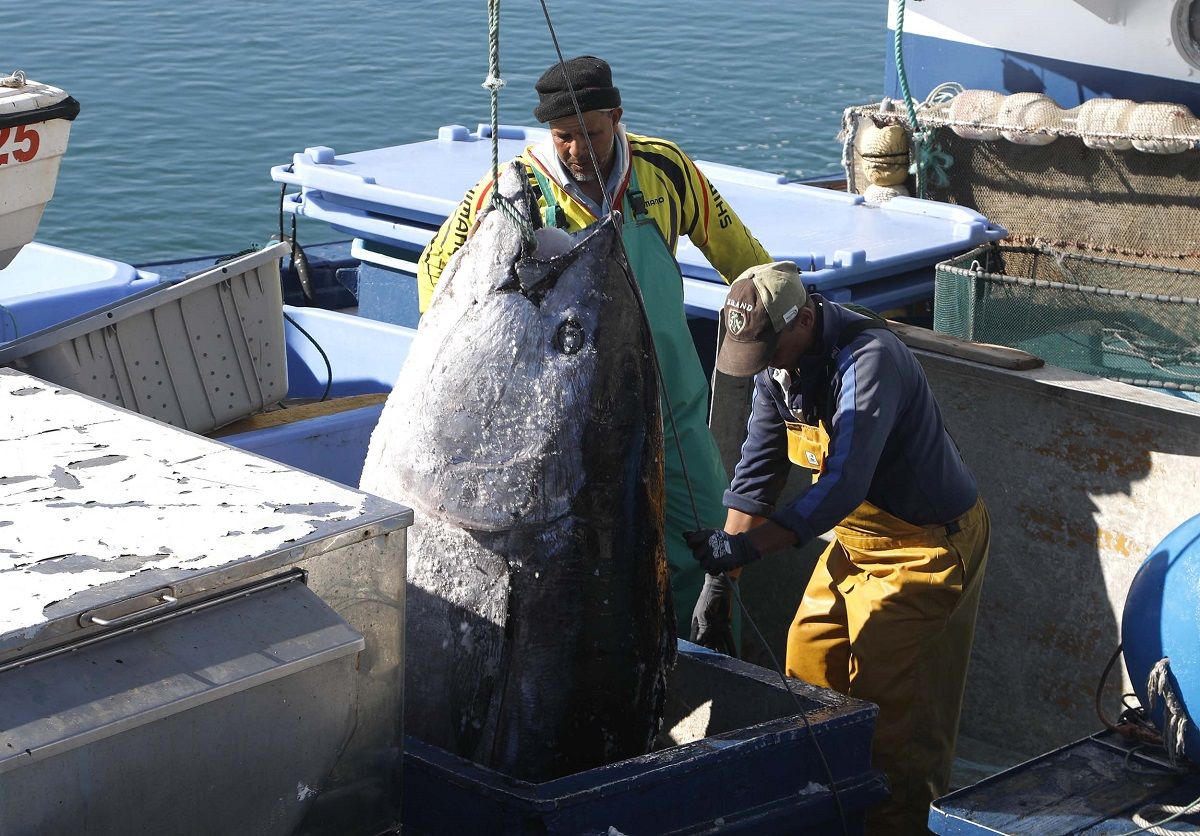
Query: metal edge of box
[13, 760]
[379, 516]
[62, 617]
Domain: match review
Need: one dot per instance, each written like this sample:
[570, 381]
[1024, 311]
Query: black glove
[718, 551]
[712, 619]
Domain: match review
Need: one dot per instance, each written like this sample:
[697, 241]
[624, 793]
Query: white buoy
[1158, 119]
[1097, 117]
[975, 107]
[1025, 114]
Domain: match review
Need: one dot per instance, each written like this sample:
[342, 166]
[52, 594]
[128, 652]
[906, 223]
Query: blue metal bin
[1102, 784]
[748, 764]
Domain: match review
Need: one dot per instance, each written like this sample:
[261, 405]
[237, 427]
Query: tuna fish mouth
[538, 268]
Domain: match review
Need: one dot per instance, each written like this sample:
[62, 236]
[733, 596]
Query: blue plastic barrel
[1162, 621]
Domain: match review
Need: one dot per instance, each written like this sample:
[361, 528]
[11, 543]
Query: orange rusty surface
[1117, 543]
[1102, 448]
[1077, 640]
[1048, 526]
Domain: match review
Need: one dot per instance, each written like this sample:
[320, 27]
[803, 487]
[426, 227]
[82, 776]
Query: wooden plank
[280, 417]
[999, 356]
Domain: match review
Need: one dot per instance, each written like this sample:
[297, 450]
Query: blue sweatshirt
[888, 443]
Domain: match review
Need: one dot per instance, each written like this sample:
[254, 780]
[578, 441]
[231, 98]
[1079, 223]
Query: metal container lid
[99, 505]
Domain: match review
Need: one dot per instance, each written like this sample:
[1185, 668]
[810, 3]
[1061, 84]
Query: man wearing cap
[662, 195]
[889, 612]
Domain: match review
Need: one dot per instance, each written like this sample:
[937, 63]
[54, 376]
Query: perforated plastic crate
[197, 354]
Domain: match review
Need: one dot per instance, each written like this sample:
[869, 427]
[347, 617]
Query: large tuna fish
[525, 431]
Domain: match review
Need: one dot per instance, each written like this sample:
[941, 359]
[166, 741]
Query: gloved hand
[712, 619]
[718, 551]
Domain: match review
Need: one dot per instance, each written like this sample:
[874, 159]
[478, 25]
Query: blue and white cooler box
[393, 200]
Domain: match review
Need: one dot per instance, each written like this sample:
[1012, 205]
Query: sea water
[187, 105]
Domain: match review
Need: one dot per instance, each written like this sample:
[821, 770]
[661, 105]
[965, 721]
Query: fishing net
[1130, 321]
[1101, 269]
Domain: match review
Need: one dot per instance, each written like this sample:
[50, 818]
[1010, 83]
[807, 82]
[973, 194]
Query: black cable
[1133, 723]
[321, 351]
[299, 262]
[837, 799]
[607, 202]
[1112, 660]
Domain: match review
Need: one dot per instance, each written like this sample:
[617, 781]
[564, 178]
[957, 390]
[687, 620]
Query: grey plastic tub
[197, 354]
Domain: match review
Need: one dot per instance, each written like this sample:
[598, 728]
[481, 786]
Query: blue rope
[929, 161]
[492, 84]
[932, 160]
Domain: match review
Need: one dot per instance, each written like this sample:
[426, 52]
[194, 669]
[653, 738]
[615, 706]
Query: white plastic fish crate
[197, 354]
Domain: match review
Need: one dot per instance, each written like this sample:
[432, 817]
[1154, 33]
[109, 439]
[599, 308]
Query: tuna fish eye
[569, 338]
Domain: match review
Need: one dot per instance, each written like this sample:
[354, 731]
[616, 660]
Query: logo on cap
[736, 321]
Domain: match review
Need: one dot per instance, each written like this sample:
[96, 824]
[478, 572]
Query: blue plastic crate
[386, 282]
[46, 285]
[749, 766]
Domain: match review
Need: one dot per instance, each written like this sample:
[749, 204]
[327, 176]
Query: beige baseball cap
[760, 304]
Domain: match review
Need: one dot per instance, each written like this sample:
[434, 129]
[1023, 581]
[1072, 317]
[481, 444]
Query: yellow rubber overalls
[888, 616]
[686, 390]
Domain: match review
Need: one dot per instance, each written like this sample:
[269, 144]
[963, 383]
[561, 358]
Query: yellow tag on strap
[808, 445]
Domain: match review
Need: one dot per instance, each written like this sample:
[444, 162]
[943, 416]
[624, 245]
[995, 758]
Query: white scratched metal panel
[77, 478]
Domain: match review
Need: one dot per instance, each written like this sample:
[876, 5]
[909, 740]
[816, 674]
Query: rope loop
[16, 79]
[1161, 688]
[932, 163]
[506, 208]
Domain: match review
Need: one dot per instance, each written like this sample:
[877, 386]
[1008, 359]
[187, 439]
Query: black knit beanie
[592, 79]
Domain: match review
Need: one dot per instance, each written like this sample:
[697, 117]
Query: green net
[1130, 321]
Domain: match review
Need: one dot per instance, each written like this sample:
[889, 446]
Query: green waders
[661, 284]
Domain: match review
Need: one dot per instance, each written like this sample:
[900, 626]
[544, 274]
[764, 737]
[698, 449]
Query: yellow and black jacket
[679, 198]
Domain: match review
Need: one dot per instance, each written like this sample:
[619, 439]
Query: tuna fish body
[525, 432]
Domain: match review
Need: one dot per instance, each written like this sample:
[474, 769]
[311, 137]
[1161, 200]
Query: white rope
[1159, 687]
[16, 79]
[943, 93]
[1173, 812]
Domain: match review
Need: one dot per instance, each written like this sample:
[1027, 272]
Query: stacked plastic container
[394, 199]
